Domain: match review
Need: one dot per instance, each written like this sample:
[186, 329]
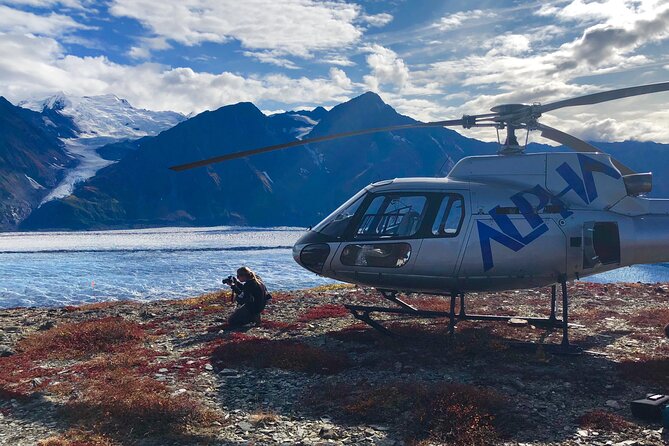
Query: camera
[230, 280]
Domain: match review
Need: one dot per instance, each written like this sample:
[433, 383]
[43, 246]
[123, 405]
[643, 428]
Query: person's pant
[242, 316]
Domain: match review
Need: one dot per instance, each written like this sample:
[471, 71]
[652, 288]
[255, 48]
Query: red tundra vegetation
[444, 413]
[81, 339]
[647, 369]
[324, 312]
[603, 421]
[75, 437]
[109, 392]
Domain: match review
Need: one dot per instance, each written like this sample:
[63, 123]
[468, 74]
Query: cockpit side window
[338, 221]
[449, 216]
[392, 216]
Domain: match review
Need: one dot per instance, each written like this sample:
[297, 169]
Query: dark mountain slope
[296, 186]
[32, 161]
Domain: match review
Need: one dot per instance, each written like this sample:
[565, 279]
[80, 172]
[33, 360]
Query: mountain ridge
[292, 187]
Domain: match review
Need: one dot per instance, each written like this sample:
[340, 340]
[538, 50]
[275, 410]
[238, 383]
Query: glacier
[100, 120]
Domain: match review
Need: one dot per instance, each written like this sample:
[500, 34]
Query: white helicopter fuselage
[494, 223]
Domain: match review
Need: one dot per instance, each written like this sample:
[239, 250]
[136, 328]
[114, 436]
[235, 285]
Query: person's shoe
[256, 321]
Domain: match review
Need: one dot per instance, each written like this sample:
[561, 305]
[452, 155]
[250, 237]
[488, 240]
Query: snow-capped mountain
[106, 115]
[97, 121]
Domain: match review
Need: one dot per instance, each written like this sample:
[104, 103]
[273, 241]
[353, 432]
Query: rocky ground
[168, 372]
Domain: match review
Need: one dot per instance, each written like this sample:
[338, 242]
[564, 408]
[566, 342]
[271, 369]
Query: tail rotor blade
[577, 145]
[245, 153]
[605, 96]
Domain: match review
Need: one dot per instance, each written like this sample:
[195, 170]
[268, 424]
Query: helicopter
[507, 221]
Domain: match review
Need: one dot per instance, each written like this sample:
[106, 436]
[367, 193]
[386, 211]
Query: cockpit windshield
[336, 223]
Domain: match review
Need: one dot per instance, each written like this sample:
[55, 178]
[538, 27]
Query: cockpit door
[381, 244]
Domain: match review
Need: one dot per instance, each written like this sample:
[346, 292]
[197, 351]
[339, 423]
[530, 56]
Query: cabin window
[392, 216]
[387, 255]
[449, 217]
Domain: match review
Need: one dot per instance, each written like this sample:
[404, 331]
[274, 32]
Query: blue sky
[428, 59]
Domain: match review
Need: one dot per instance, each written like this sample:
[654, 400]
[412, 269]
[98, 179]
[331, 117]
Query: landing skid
[364, 314]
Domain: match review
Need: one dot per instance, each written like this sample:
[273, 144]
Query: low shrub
[600, 420]
[454, 414]
[21, 376]
[122, 403]
[286, 355]
[654, 371]
[81, 339]
[324, 312]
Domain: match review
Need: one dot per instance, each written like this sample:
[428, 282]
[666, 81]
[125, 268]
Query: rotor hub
[510, 109]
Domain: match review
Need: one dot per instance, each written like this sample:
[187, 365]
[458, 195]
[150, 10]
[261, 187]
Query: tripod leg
[462, 306]
[553, 299]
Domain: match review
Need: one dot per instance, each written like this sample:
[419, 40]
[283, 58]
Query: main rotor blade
[605, 96]
[578, 145]
[245, 153]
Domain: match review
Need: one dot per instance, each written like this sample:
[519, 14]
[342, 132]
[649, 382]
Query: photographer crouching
[250, 294]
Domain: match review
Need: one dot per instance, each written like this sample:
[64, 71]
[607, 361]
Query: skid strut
[364, 314]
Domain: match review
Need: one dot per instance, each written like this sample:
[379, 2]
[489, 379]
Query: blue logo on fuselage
[509, 235]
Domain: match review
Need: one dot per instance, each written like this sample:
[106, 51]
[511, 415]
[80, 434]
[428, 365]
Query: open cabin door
[601, 244]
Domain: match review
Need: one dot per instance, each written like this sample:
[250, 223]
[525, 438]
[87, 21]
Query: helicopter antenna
[509, 116]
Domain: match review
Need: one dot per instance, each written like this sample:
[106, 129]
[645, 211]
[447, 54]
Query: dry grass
[428, 413]
[215, 297]
[331, 287]
[82, 339]
[651, 318]
[75, 437]
[98, 306]
[603, 421]
[324, 312]
[286, 355]
[432, 303]
[263, 418]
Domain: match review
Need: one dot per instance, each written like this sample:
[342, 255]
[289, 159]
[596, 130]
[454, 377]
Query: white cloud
[525, 67]
[337, 60]
[612, 12]
[386, 68]
[510, 44]
[378, 20]
[458, 19]
[143, 51]
[34, 66]
[76, 4]
[271, 57]
[22, 22]
[286, 27]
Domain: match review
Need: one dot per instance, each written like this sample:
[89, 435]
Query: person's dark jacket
[252, 294]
